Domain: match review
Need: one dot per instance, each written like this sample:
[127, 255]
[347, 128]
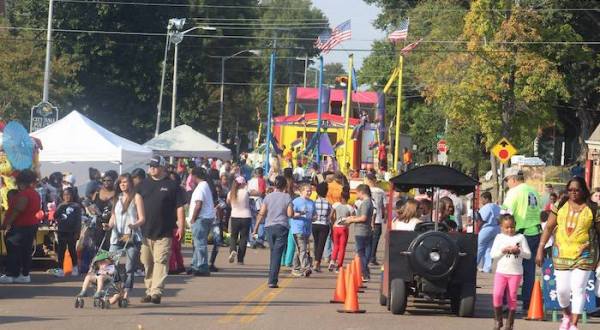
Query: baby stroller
[112, 285]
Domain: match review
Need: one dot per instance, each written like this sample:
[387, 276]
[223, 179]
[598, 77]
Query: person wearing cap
[201, 218]
[163, 210]
[523, 202]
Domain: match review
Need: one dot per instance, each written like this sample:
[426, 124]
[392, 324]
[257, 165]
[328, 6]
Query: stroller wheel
[125, 303]
[120, 303]
[76, 302]
[81, 302]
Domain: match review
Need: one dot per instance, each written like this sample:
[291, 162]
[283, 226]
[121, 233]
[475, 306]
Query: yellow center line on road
[234, 311]
[260, 308]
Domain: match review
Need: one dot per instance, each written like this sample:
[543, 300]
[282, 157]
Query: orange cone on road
[67, 264]
[536, 305]
[351, 302]
[358, 275]
[339, 295]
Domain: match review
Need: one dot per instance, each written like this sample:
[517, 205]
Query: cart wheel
[398, 296]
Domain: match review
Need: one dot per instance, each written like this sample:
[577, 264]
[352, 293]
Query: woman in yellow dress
[575, 225]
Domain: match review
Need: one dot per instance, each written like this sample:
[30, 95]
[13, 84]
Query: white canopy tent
[184, 141]
[75, 143]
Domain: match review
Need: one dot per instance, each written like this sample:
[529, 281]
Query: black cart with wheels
[431, 262]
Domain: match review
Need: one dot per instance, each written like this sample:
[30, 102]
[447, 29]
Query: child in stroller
[106, 273]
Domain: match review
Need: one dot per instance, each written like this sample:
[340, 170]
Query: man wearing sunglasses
[523, 202]
[163, 206]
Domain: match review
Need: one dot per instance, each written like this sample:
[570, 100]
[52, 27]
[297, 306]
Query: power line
[298, 39]
[152, 4]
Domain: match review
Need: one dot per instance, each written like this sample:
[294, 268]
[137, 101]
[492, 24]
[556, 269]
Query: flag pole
[398, 110]
[347, 114]
[319, 109]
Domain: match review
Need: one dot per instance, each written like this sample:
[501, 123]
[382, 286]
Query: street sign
[42, 115]
[503, 150]
[442, 146]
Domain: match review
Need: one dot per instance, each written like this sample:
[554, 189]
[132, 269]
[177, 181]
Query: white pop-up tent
[184, 141]
[75, 143]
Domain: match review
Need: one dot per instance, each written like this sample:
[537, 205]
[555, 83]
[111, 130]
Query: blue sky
[363, 32]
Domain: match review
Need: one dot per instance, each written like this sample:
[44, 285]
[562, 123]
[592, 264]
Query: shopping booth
[75, 143]
[184, 142]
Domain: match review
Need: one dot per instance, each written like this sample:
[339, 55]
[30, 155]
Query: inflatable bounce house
[366, 127]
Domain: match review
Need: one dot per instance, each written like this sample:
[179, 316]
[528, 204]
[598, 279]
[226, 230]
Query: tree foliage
[22, 75]
[487, 66]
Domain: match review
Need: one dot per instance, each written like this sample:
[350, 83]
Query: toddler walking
[509, 248]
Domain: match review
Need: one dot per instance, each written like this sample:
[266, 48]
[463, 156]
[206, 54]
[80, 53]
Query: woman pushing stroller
[126, 219]
[125, 222]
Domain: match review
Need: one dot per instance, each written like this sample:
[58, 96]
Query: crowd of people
[146, 215]
[525, 230]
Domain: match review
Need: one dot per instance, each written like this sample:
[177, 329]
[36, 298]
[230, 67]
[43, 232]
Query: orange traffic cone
[358, 273]
[339, 295]
[67, 264]
[351, 302]
[536, 305]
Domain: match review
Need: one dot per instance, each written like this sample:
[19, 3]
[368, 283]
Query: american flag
[410, 47]
[401, 33]
[329, 39]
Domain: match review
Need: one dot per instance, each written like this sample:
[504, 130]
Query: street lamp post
[222, 97]
[176, 37]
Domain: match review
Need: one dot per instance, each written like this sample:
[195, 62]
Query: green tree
[22, 75]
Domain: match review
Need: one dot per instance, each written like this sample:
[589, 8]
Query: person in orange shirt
[407, 157]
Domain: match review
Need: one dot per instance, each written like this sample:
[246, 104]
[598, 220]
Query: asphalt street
[234, 298]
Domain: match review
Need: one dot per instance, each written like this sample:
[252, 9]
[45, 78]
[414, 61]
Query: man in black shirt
[163, 206]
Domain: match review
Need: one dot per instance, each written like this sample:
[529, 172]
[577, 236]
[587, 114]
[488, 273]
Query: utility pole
[48, 52]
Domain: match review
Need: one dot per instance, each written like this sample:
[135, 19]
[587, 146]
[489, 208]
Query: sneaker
[56, 272]
[23, 279]
[573, 327]
[375, 263]
[155, 299]
[365, 279]
[75, 271]
[331, 267]
[212, 268]
[565, 324]
[201, 274]
[140, 273]
[307, 273]
[273, 286]
[240, 263]
[146, 299]
[4, 279]
[297, 273]
[232, 256]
